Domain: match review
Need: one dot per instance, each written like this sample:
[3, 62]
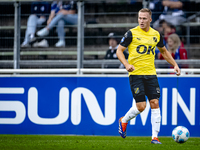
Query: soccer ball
[180, 134]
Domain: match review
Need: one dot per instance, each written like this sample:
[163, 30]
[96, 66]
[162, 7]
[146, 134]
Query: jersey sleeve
[127, 39]
[160, 43]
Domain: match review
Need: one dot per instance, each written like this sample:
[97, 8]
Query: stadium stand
[101, 18]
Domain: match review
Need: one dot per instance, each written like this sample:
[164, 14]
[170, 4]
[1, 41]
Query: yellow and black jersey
[141, 46]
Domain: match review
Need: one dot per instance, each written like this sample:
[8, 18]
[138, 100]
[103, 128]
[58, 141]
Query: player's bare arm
[122, 58]
[169, 59]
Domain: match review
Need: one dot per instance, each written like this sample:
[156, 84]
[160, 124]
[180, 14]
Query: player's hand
[177, 70]
[130, 68]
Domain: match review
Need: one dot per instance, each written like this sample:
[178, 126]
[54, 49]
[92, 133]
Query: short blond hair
[146, 10]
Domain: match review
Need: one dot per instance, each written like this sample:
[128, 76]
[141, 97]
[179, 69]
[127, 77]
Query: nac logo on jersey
[154, 39]
[142, 49]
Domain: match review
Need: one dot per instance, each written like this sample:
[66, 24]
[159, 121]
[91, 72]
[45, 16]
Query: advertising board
[92, 105]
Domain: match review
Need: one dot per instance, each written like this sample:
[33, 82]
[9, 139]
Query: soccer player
[141, 42]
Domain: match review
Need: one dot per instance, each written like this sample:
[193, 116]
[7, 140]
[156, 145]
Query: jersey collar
[145, 31]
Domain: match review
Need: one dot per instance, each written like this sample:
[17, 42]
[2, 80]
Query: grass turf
[29, 142]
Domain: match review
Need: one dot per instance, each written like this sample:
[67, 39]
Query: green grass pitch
[58, 142]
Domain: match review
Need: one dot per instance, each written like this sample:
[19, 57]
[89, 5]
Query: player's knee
[154, 103]
[141, 106]
[140, 102]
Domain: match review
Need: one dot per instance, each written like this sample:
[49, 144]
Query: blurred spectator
[174, 47]
[172, 13]
[166, 29]
[61, 14]
[39, 10]
[111, 52]
[156, 8]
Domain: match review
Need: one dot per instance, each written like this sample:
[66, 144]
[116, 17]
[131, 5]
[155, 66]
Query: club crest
[137, 90]
[154, 39]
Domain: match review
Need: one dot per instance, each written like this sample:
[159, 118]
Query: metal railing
[190, 63]
[86, 71]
